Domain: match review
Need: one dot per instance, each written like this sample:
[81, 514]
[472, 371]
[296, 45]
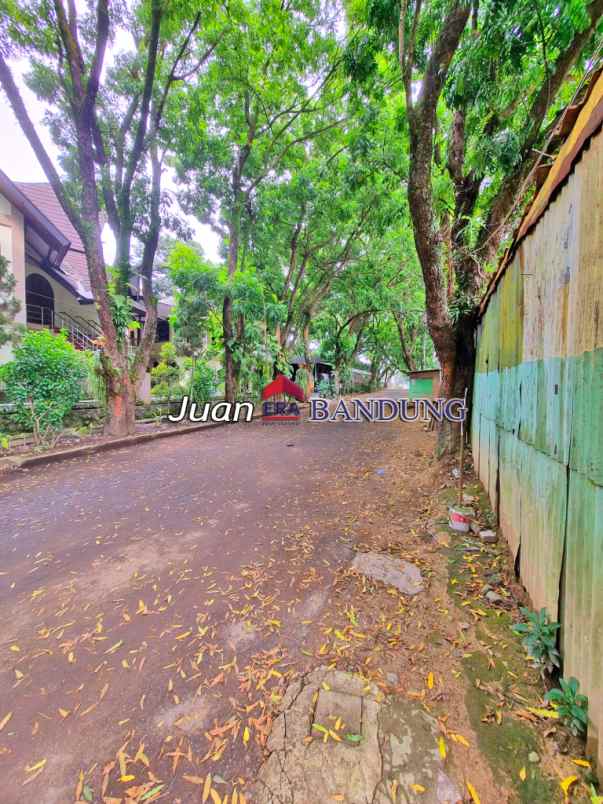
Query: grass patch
[506, 745]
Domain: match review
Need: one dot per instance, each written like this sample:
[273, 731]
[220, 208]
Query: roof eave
[35, 219]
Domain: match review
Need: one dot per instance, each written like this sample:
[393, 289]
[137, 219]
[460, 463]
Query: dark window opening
[39, 300]
[163, 331]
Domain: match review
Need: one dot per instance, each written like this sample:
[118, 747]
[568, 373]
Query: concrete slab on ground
[381, 567]
[338, 735]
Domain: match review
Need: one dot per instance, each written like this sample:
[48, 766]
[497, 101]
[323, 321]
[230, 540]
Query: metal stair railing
[80, 337]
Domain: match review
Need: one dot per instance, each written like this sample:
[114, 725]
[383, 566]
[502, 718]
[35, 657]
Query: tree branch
[509, 193]
[18, 107]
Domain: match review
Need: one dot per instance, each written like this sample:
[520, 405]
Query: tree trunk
[121, 403]
[229, 368]
[457, 369]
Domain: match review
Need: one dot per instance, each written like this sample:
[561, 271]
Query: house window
[163, 331]
[39, 300]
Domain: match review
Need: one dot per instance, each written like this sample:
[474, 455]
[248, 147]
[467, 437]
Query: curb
[10, 467]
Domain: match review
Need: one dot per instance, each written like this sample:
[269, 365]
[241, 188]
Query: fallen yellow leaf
[550, 713]
[418, 788]
[442, 747]
[430, 681]
[473, 793]
[523, 774]
[5, 720]
[566, 783]
[583, 763]
[37, 766]
[206, 788]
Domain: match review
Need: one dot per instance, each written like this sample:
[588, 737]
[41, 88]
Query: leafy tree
[106, 119]
[198, 290]
[262, 99]
[9, 304]
[480, 85]
[44, 382]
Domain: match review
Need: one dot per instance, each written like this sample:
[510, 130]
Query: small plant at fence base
[43, 382]
[570, 705]
[539, 639]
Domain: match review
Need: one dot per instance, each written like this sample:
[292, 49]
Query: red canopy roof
[283, 385]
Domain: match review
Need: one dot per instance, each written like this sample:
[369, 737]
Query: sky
[19, 162]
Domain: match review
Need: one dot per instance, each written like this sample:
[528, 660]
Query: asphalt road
[160, 596]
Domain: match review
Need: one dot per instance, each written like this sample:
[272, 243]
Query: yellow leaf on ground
[38, 766]
[550, 713]
[206, 788]
[64, 712]
[442, 747]
[246, 735]
[127, 778]
[583, 763]
[418, 788]
[566, 783]
[473, 793]
[5, 720]
[430, 681]
[523, 774]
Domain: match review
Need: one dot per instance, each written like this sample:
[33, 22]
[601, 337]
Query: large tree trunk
[457, 367]
[121, 405]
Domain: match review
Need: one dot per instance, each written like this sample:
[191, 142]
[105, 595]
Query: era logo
[281, 410]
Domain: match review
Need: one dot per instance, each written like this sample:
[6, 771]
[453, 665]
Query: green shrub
[43, 382]
[571, 706]
[166, 376]
[204, 383]
[324, 389]
[540, 639]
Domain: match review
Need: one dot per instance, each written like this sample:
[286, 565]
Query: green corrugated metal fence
[537, 426]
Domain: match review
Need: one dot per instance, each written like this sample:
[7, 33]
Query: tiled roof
[74, 265]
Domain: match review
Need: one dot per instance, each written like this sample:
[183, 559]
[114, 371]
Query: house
[424, 384]
[47, 257]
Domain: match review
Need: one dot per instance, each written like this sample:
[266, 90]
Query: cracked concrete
[387, 751]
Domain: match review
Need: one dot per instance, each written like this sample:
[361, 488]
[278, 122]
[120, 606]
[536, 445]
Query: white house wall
[12, 246]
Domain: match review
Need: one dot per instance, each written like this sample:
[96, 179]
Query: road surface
[155, 601]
